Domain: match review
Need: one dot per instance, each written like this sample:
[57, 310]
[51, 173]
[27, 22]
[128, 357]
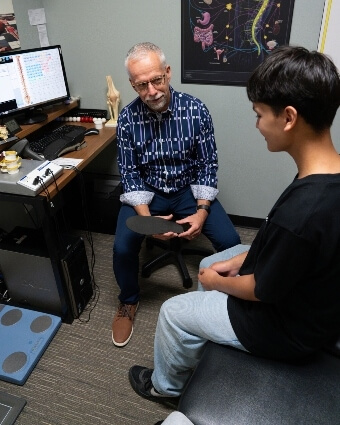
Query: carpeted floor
[81, 379]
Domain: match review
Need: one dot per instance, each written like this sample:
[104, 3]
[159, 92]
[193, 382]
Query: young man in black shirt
[280, 298]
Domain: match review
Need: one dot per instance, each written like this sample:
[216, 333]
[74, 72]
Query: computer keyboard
[64, 136]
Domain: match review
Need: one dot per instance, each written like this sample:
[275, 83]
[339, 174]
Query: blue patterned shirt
[168, 150]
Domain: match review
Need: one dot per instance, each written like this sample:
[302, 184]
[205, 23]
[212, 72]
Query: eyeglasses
[143, 87]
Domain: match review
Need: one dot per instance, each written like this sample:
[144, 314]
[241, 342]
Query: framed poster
[9, 37]
[330, 31]
[223, 42]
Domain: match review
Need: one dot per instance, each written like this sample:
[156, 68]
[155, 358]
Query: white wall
[95, 36]
[28, 35]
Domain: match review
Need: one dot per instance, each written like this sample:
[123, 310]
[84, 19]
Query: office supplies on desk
[6, 144]
[53, 143]
[12, 126]
[84, 115]
[10, 162]
[92, 131]
[40, 177]
[33, 176]
[67, 163]
[23, 149]
[9, 182]
[62, 146]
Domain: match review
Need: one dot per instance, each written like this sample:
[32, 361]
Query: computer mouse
[91, 131]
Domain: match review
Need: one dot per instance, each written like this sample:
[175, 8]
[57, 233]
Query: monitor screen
[30, 80]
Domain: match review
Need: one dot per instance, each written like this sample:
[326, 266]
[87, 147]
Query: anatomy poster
[223, 42]
[9, 38]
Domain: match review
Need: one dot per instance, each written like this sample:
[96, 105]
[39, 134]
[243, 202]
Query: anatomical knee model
[113, 99]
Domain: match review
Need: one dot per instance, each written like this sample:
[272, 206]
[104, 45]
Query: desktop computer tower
[77, 277]
[29, 276]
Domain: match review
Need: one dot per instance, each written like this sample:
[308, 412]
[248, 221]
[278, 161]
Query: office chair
[175, 249]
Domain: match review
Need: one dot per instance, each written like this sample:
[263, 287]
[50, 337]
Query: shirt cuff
[204, 192]
[136, 198]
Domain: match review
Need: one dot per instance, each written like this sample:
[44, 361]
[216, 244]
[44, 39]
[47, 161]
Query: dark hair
[294, 76]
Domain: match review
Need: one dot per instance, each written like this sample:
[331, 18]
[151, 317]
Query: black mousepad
[10, 408]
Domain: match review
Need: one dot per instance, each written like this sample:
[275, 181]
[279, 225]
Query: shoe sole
[149, 225]
[167, 401]
[122, 344]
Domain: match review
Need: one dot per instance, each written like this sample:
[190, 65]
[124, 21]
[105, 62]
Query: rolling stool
[175, 250]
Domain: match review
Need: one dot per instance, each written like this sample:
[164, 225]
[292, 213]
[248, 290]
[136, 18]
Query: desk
[46, 205]
[95, 145]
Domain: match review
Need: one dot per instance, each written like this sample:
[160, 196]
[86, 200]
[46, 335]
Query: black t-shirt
[295, 259]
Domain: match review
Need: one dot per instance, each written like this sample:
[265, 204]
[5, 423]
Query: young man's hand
[239, 286]
[229, 267]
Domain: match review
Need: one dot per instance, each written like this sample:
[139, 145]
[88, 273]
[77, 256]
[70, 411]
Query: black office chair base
[175, 252]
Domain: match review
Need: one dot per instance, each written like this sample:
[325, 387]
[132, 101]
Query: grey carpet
[82, 378]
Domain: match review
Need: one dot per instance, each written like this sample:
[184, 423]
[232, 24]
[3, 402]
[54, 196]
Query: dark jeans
[217, 228]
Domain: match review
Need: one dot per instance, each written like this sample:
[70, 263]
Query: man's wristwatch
[203, 207]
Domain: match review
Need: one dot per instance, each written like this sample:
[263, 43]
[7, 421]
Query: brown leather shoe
[122, 325]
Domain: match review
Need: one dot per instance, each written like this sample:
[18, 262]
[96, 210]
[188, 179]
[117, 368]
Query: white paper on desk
[42, 30]
[37, 16]
[67, 163]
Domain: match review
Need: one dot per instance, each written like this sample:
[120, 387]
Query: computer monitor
[30, 80]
